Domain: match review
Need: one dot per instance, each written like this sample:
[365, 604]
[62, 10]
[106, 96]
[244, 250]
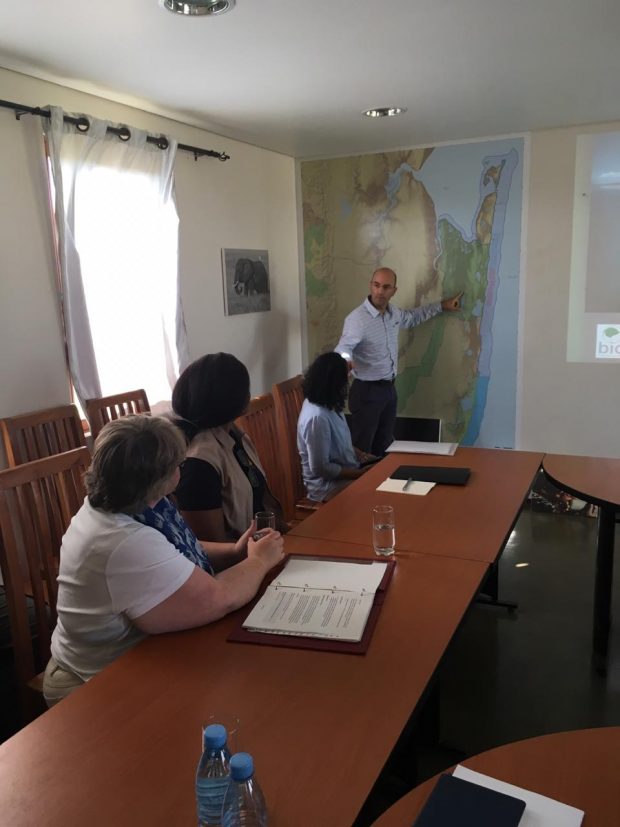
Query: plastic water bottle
[212, 775]
[244, 804]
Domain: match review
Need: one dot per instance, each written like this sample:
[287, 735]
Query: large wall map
[445, 219]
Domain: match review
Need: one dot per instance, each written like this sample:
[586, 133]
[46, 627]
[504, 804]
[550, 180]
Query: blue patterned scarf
[165, 518]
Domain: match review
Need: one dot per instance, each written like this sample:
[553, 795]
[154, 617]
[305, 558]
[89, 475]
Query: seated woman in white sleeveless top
[130, 566]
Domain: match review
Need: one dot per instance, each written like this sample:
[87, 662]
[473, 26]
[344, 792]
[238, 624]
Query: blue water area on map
[454, 178]
[346, 208]
[471, 434]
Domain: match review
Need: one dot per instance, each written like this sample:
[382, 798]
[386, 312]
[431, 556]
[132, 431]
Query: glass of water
[383, 533]
[265, 519]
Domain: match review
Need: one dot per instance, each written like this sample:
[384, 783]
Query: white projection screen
[594, 297]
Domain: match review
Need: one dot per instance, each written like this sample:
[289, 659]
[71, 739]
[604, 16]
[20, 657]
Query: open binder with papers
[319, 604]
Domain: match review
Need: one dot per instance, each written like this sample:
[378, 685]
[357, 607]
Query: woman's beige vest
[215, 446]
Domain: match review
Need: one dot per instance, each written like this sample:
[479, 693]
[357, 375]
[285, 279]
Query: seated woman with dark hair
[130, 566]
[222, 482]
[329, 462]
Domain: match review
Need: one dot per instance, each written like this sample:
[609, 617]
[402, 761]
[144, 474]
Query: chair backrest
[417, 429]
[260, 424]
[101, 411]
[40, 434]
[37, 501]
[288, 397]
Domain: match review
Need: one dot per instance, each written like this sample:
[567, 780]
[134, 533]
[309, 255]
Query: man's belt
[377, 381]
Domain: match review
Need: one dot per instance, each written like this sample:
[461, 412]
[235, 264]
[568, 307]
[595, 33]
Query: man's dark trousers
[373, 414]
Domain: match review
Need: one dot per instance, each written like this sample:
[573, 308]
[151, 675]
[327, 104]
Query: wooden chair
[418, 429]
[40, 434]
[101, 411]
[288, 398]
[37, 501]
[260, 424]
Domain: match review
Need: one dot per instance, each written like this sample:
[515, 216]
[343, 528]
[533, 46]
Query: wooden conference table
[123, 749]
[470, 522]
[597, 481]
[578, 768]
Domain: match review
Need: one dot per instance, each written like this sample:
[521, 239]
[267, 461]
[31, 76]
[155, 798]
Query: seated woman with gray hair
[130, 566]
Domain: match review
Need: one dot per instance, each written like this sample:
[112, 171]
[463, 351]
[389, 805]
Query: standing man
[370, 341]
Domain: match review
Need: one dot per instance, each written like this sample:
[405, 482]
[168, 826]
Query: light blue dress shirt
[370, 338]
[324, 445]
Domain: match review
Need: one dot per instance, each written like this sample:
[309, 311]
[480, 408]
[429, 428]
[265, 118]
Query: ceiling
[294, 75]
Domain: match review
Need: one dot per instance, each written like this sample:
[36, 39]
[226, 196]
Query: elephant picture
[246, 281]
[250, 277]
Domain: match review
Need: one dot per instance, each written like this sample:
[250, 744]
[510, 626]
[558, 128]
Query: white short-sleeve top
[112, 570]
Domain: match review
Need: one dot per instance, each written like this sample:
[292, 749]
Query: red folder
[348, 647]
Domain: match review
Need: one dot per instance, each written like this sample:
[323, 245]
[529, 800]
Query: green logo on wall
[610, 332]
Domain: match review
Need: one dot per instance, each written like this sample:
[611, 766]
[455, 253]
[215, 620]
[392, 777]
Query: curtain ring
[82, 124]
[124, 134]
[162, 142]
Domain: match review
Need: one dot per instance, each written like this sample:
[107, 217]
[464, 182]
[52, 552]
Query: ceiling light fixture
[385, 111]
[199, 7]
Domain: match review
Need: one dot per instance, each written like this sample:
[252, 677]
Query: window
[117, 238]
[127, 242]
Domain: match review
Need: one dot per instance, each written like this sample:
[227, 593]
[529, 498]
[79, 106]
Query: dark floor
[510, 676]
[514, 676]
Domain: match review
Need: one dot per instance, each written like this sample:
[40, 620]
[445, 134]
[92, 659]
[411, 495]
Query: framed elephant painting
[246, 281]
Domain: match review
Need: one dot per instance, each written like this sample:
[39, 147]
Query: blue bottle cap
[214, 736]
[241, 766]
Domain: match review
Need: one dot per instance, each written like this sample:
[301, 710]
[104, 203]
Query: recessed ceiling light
[385, 111]
[199, 7]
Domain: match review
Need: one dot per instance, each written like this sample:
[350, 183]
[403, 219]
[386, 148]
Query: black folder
[442, 475]
[455, 802]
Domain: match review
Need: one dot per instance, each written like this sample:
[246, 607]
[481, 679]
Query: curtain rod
[123, 132]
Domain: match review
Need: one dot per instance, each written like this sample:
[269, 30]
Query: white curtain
[117, 231]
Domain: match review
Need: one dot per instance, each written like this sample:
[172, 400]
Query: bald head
[385, 273]
[382, 288]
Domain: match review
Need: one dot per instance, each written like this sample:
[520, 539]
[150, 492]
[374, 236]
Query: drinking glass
[265, 519]
[383, 533]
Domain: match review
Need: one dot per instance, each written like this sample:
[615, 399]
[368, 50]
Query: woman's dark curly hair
[212, 391]
[326, 381]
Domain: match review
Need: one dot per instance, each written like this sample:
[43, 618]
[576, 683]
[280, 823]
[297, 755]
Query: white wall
[246, 202]
[249, 201]
[566, 407]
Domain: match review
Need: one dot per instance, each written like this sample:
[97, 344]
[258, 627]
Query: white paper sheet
[398, 487]
[311, 613]
[401, 446]
[332, 574]
[540, 811]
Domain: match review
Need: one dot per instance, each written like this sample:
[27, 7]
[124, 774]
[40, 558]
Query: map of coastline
[447, 220]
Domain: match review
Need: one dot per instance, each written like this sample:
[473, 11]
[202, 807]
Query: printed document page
[301, 572]
[316, 598]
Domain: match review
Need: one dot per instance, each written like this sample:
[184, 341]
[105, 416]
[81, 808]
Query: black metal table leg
[603, 587]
